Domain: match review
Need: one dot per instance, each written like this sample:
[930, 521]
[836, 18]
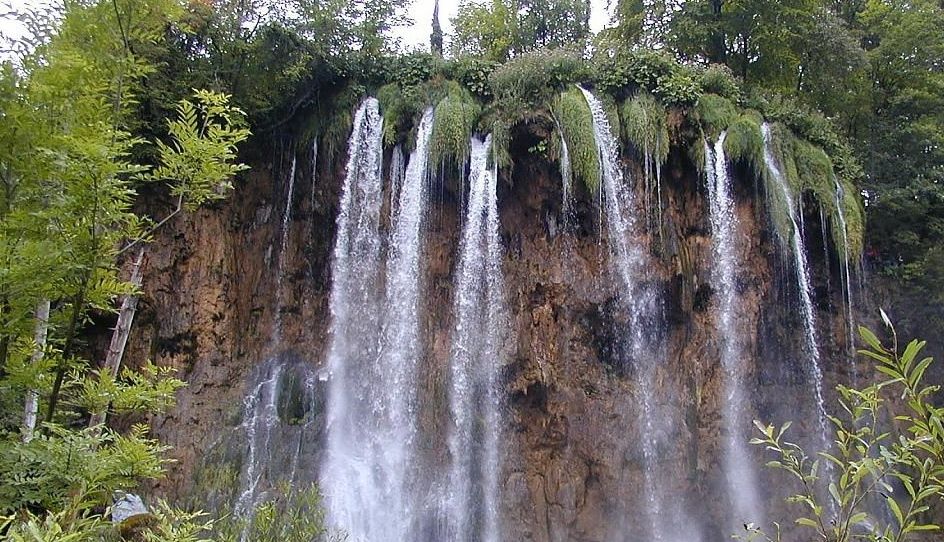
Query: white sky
[421, 11]
[415, 36]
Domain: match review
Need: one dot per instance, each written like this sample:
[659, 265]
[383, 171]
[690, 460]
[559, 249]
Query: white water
[259, 417]
[740, 469]
[361, 497]
[396, 175]
[667, 520]
[566, 181]
[803, 282]
[475, 362]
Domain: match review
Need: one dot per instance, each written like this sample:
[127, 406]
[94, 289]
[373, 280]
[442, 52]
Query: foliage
[455, 117]
[497, 30]
[59, 467]
[200, 158]
[868, 459]
[714, 114]
[575, 121]
[620, 72]
[473, 74]
[718, 79]
[291, 515]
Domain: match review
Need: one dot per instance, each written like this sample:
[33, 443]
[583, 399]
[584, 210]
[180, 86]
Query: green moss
[815, 171]
[645, 127]
[501, 143]
[714, 114]
[745, 141]
[576, 122]
[778, 208]
[400, 107]
[456, 115]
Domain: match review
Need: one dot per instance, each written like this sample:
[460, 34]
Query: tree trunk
[32, 396]
[119, 338]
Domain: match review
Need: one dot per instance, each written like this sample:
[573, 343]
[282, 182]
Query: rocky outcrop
[572, 469]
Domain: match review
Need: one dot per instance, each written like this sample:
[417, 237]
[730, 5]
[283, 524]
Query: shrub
[718, 79]
[625, 71]
[473, 74]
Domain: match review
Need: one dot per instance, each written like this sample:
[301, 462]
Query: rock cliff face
[571, 468]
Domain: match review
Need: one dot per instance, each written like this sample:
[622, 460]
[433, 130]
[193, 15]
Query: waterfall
[666, 519]
[356, 471]
[846, 272]
[396, 174]
[566, 182]
[376, 340]
[475, 362]
[738, 464]
[260, 416]
[283, 245]
[803, 280]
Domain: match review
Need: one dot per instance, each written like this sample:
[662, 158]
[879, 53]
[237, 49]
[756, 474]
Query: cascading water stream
[475, 362]
[846, 271]
[283, 245]
[628, 258]
[803, 282]
[739, 467]
[354, 474]
[376, 342]
[260, 415]
[566, 181]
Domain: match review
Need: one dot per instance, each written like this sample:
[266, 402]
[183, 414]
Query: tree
[500, 29]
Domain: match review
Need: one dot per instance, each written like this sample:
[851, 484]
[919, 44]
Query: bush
[718, 79]
[745, 141]
[868, 458]
[622, 73]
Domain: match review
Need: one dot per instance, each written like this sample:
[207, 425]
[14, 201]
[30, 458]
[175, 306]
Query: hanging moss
[399, 106]
[576, 122]
[501, 143]
[645, 127]
[815, 171]
[778, 208]
[455, 117]
[745, 141]
[714, 114]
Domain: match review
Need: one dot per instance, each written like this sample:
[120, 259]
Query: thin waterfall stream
[803, 282]
[475, 361]
[739, 466]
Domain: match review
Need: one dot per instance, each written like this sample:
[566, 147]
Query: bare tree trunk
[119, 339]
[32, 396]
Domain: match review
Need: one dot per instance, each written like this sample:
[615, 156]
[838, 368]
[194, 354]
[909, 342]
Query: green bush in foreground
[868, 460]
